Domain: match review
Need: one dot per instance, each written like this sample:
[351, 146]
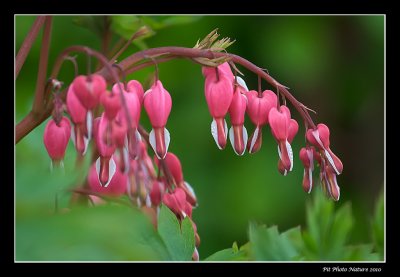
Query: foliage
[178, 238]
[325, 238]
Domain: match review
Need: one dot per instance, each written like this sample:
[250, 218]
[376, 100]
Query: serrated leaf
[361, 252]
[327, 230]
[108, 232]
[268, 245]
[295, 237]
[339, 231]
[178, 238]
[229, 254]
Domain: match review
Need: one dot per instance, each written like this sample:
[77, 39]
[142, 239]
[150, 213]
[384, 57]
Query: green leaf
[339, 231]
[361, 252]
[229, 254]
[268, 245]
[327, 230]
[107, 232]
[178, 238]
[295, 237]
[378, 226]
[126, 26]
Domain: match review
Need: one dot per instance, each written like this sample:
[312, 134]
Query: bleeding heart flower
[137, 88]
[75, 108]
[238, 133]
[82, 119]
[134, 107]
[258, 109]
[307, 158]
[174, 166]
[283, 129]
[223, 68]
[320, 138]
[111, 103]
[117, 185]
[56, 138]
[156, 193]
[105, 164]
[329, 182]
[219, 93]
[158, 103]
[88, 89]
[176, 201]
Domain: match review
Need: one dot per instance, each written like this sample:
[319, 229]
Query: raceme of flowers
[123, 165]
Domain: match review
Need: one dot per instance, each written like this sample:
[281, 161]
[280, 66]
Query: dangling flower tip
[105, 169]
[255, 141]
[238, 138]
[219, 131]
[159, 139]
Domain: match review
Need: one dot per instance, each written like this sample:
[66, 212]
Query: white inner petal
[290, 152]
[73, 135]
[191, 190]
[329, 157]
[254, 139]
[338, 188]
[316, 136]
[214, 132]
[89, 121]
[97, 165]
[167, 139]
[232, 139]
[148, 201]
[242, 83]
[112, 167]
[152, 141]
[245, 138]
[86, 141]
[279, 153]
[226, 129]
[310, 179]
[138, 136]
[126, 159]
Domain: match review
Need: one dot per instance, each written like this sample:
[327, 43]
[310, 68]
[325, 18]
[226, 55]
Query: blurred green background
[333, 64]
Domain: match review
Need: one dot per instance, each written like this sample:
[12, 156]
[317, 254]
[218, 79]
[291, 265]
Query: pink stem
[27, 44]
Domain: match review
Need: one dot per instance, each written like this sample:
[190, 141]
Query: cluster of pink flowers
[226, 93]
[123, 165]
